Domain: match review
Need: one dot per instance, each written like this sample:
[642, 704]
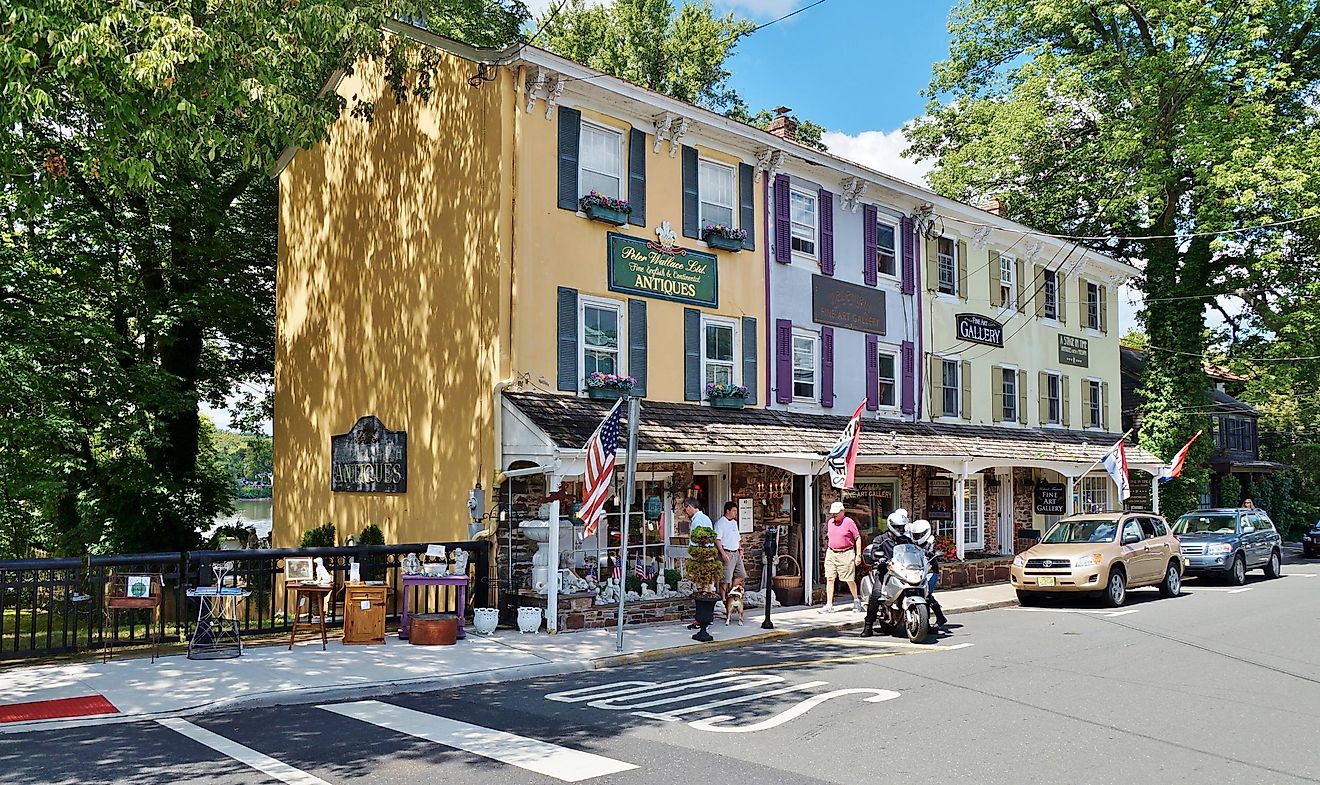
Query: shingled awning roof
[568, 421]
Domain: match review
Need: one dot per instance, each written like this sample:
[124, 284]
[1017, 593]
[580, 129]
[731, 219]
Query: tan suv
[1105, 553]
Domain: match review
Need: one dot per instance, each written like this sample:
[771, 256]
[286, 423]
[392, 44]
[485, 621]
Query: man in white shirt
[728, 541]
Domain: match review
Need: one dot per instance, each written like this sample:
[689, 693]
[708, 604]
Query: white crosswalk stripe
[541, 757]
[245, 755]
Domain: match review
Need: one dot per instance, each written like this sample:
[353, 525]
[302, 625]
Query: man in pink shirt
[842, 556]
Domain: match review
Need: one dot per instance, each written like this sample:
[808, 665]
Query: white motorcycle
[904, 603]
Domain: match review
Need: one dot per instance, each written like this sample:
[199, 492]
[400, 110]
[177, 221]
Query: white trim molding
[851, 191]
[545, 85]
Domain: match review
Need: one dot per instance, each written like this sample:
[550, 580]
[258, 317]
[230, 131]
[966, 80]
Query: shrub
[702, 566]
[371, 535]
[319, 537]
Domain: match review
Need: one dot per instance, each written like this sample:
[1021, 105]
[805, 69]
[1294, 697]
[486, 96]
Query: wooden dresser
[364, 613]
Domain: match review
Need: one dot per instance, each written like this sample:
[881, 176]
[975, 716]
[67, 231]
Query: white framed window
[950, 387]
[600, 161]
[1008, 381]
[1092, 305]
[1094, 404]
[948, 265]
[804, 218]
[886, 248]
[601, 326]
[719, 350]
[1093, 494]
[715, 186]
[1008, 282]
[806, 351]
[973, 515]
[886, 363]
[1054, 398]
[1050, 286]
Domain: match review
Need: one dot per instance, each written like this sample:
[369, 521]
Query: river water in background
[249, 512]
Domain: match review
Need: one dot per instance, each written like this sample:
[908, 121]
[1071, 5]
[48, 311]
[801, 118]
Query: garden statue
[411, 564]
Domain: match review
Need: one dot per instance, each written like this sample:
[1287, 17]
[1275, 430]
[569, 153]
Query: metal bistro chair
[125, 592]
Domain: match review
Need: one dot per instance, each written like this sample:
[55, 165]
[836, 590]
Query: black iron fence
[57, 606]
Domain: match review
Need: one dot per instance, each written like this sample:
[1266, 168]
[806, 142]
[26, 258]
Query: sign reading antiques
[651, 269]
[847, 305]
[976, 328]
[1049, 498]
[369, 459]
[1073, 351]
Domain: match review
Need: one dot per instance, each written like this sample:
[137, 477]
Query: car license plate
[1045, 581]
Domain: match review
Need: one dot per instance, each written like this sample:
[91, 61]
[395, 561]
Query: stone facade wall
[579, 611]
[1024, 508]
[973, 573]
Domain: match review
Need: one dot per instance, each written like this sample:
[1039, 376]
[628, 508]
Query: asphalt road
[1218, 685]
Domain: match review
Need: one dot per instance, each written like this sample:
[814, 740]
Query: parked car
[1311, 542]
[1100, 553]
[1227, 542]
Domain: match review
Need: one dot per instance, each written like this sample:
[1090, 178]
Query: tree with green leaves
[138, 233]
[1149, 124]
[679, 51]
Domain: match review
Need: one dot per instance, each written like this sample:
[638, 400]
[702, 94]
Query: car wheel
[1237, 574]
[1116, 589]
[1028, 599]
[1273, 567]
[1172, 583]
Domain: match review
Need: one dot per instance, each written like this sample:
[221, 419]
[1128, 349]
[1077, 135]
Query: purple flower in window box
[607, 209]
[725, 238]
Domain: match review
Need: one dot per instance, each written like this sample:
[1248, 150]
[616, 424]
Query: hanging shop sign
[662, 271]
[939, 499]
[975, 328]
[847, 305]
[1141, 493]
[1049, 498]
[369, 459]
[1073, 351]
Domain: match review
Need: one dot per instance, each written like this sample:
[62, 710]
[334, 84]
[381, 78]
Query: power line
[1181, 236]
[1205, 358]
[550, 18]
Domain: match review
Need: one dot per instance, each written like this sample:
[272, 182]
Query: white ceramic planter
[529, 619]
[485, 620]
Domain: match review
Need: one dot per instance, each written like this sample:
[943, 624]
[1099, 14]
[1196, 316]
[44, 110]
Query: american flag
[618, 571]
[641, 571]
[600, 469]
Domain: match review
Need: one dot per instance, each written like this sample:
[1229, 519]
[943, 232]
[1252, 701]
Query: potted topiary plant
[725, 238]
[372, 569]
[704, 569]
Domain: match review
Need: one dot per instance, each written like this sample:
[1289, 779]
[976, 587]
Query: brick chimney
[993, 206]
[783, 126]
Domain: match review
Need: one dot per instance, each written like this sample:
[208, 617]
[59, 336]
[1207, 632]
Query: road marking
[715, 724]
[245, 755]
[541, 757]
[881, 643]
[1299, 575]
[673, 714]
[608, 696]
[820, 661]
[1227, 589]
[1106, 614]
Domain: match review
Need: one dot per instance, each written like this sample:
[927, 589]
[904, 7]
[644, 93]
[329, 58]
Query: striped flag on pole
[600, 449]
[1175, 467]
[641, 571]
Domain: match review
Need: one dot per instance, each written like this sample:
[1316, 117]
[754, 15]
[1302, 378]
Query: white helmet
[919, 532]
[898, 520]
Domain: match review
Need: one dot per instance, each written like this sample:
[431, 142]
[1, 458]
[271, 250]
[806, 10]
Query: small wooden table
[364, 613]
[316, 595]
[410, 581]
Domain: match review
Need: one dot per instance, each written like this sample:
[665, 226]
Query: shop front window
[973, 516]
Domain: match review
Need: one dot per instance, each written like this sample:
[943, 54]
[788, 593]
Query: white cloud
[879, 150]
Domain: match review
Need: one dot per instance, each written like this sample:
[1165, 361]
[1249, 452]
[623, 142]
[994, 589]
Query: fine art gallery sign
[1049, 498]
[369, 459]
[847, 305]
[975, 328]
[663, 270]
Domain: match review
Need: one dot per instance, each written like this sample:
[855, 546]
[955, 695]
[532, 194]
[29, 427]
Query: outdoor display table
[315, 594]
[216, 635]
[409, 581]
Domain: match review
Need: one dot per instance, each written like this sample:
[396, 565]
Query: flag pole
[1072, 481]
[630, 475]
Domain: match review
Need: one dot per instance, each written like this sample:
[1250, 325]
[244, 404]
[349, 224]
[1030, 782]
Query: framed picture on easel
[298, 570]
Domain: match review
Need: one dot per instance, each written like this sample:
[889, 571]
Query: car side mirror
[1248, 529]
[1131, 539]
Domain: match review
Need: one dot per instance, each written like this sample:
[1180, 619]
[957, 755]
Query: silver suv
[1229, 541]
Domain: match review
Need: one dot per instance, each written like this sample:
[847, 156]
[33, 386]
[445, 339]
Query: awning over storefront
[542, 425]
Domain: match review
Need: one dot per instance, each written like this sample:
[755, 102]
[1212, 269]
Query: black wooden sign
[847, 305]
[1049, 498]
[975, 328]
[369, 459]
[1074, 351]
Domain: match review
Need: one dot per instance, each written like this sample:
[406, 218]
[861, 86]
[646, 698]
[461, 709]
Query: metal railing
[51, 607]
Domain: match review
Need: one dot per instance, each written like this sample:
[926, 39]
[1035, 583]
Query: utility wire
[1181, 236]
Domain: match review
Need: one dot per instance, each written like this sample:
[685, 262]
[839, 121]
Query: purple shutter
[872, 374]
[826, 206]
[783, 361]
[869, 244]
[783, 229]
[908, 238]
[827, 367]
[909, 377]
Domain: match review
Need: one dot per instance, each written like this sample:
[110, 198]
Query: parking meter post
[769, 554]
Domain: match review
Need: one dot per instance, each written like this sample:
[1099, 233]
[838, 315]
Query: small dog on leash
[733, 604]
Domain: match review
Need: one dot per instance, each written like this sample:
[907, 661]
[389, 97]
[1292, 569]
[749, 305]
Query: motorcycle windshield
[909, 556]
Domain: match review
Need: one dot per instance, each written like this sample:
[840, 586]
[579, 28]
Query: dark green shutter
[750, 341]
[691, 197]
[637, 345]
[747, 205]
[570, 132]
[691, 354]
[568, 339]
[637, 177]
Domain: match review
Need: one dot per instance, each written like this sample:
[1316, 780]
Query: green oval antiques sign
[666, 272]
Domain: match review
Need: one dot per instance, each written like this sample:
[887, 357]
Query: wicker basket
[788, 581]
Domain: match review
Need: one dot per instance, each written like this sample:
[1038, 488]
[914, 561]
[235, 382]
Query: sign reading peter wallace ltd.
[975, 328]
[665, 271]
[369, 459]
[1073, 351]
[847, 305]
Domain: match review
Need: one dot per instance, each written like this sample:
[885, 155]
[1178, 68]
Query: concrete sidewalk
[129, 689]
